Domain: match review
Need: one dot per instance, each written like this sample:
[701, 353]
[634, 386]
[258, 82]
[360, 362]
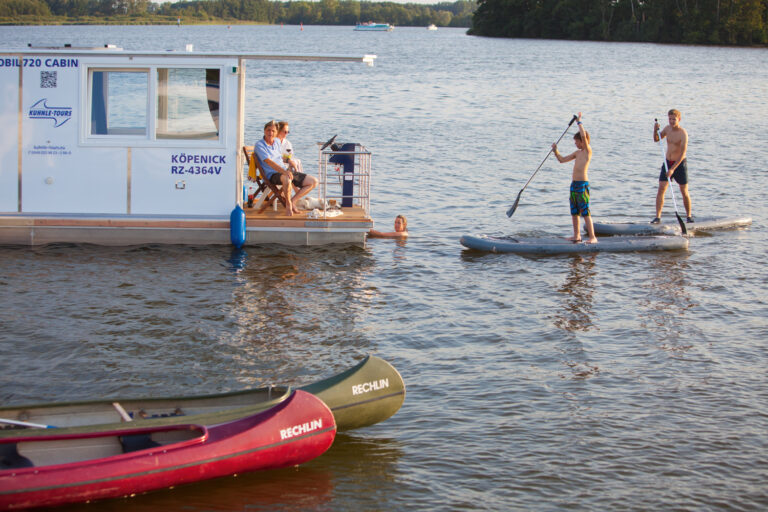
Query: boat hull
[363, 395]
[292, 432]
[375, 27]
[124, 230]
[551, 245]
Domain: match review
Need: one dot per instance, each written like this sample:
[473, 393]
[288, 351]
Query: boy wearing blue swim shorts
[579, 197]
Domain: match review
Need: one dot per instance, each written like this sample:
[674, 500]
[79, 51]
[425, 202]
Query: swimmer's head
[401, 223]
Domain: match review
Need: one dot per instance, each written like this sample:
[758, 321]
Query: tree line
[738, 22]
[323, 12]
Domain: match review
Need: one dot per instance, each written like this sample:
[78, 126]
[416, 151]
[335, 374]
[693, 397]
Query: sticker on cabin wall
[48, 79]
[41, 110]
[49, 149]
[185, 163]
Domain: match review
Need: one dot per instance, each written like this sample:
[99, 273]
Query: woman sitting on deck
[283, 129]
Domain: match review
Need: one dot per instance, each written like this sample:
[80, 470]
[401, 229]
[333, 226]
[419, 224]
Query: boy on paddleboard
[676, 166]
[579, 197]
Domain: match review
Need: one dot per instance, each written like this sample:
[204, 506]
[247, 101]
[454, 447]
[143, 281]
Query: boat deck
[277, 227]
[268, 227]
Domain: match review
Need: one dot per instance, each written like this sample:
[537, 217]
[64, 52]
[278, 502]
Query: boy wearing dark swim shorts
[676, 166]
[579, 196]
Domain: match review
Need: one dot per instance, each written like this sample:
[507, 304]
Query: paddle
[517, 201]
[25, 424]
[669, 181]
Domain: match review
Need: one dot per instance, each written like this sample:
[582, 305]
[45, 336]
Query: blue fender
[237, 226]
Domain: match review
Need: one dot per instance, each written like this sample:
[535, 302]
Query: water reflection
[238, 259]
[577, 292]
[284, 489]
[399, 252]
[292, 303]
[667, 302]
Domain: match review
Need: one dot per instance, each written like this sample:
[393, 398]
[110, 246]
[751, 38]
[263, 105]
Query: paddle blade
[514, 206]
[682, 224]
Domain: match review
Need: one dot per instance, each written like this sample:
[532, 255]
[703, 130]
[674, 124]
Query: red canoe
[72, 468]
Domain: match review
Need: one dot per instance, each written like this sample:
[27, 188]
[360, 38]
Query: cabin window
[119, 101]
[188, 103]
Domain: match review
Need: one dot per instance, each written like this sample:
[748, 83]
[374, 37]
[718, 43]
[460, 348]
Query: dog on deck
[310, 203]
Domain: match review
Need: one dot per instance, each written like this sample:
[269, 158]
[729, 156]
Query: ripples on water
[601, 382]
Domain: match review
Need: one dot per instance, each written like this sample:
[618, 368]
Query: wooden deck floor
[351, 215]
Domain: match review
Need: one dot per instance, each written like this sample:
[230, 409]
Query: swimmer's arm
[391, 234]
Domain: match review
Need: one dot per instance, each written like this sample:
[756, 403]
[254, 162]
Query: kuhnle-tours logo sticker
[41, 110]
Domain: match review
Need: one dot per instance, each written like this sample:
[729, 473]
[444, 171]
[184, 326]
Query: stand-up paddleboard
[554, 245]
[671, 227]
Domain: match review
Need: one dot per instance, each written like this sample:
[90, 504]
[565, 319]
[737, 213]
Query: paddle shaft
[669, 181]
[514, 206]
[25, 424]
[121, 411]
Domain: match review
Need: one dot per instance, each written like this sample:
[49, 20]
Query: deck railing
[345, 176]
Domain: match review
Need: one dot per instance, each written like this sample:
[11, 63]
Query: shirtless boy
[676, 167]
[579, 182]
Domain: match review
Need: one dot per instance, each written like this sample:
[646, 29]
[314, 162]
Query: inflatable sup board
[554, 245]
[670, 227]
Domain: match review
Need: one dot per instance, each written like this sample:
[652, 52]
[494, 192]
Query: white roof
[114, 50]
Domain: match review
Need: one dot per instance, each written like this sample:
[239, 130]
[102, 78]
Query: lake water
[605, 382]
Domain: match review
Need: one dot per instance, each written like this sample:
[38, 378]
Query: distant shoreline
[114, 20]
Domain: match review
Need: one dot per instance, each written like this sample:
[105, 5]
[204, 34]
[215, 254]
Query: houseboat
[113, 147]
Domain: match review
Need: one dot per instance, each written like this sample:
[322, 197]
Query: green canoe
[366, 394]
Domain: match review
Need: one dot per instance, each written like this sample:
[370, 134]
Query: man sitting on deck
[278, 172]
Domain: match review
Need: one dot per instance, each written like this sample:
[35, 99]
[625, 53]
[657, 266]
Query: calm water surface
[603, 382]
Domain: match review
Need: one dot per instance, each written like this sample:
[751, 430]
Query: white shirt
[286, 147]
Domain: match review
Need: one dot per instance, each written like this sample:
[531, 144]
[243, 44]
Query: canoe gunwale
[350, 410]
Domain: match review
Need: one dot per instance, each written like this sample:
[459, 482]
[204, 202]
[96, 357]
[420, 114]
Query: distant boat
[375, 27]
[431, 26]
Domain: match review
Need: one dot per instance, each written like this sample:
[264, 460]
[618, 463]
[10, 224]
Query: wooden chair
[269, 191]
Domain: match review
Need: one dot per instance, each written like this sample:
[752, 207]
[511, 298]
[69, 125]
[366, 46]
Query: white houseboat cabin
[112, 147]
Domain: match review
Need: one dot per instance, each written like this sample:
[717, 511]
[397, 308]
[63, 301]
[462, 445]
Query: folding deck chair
[258, 176]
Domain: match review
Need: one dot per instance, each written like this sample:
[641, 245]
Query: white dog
[310, 203]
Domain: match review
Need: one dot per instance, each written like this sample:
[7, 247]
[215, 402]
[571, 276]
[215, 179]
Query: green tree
[14, 8]
[746, 21]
